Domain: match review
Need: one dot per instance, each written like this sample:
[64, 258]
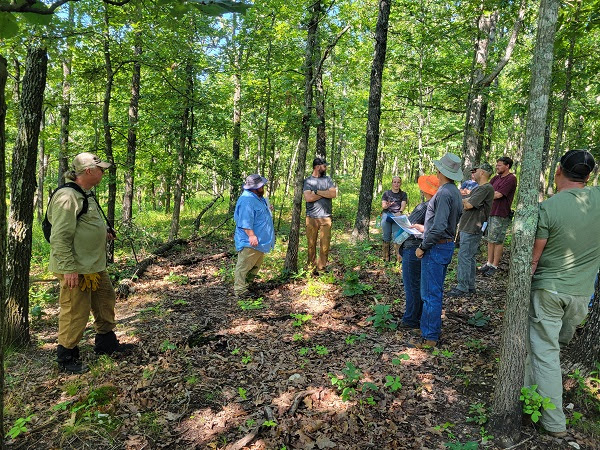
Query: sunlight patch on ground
[313, 398]
[312, 305]
[204, 425]
[244, 326]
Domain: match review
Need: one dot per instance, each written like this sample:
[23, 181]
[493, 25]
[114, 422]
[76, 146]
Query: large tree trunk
[365, 199]
[3, 226]
[506, 416]
[129, 173]
[41, 175]
[291, 256]
[22, 186]
[65, 107]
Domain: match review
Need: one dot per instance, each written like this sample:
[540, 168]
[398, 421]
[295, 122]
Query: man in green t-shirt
[565, 261]
[78, 259]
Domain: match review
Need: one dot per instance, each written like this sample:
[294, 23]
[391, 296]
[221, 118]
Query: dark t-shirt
[322, 207]
[506, 186]
[443, 213]
[481, 198]
[417, 216]
[397, 197]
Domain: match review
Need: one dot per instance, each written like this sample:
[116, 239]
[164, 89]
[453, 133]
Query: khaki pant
[322, 227]
[246, 269]
[552, 322]
[75, 307]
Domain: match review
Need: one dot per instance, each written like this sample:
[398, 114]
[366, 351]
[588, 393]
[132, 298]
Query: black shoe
[472, 292]
[455, 292]
[484, 268]
[107, 344]
[69, 362]
[490, 272]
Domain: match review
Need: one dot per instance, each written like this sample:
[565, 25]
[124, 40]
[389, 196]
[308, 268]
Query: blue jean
[389, 229]
[467, 264]
[411, 276]
[433, 272]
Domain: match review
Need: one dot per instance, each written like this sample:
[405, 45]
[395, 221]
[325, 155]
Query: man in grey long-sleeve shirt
[443, 213]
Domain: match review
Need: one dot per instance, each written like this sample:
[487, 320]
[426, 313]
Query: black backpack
[46, 225]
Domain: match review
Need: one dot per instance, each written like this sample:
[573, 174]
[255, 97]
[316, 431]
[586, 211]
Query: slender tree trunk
[476, 104]
[237, 121]
[560, 126]
[129, 172]
[506, 416]
[3, 227]
[108, 147]
[291, 256]
[65, 107]
[321, 141]
[22, 187]
[181, 154]
[480, 82]
[365, 199]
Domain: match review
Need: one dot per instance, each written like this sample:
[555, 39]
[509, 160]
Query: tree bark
[321, 140]
[181, 154]
[22, 187]
[506, 417]
[65, 107]
[560, 125]
[108, 147]
[365, 199]
[129, 173]
[3, 226]
[584, 352]
[237, 122]
[41, 175]
[480, 82]
[291, 256]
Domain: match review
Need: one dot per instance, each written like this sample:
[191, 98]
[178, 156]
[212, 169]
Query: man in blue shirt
[254, 233]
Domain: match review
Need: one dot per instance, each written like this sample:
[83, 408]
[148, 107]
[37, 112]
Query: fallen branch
[199, 216]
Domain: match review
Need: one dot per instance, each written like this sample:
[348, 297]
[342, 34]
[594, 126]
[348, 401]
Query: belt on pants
[444, 241]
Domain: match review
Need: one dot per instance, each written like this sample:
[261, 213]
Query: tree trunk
[470, 156]
[321, 141]
[108, 147]
[41, 175]
[560, 126]
[181, 155]
[3, 226]
[22, 187]
[65, 107]
[129, 173]
[506, 417]
[365, 199]
[291, 256]
[477, 100]
[584, 352]
[237, 122]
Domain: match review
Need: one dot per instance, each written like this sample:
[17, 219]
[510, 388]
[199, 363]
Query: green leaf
[8, 25]
[218, 7]
[37, 19]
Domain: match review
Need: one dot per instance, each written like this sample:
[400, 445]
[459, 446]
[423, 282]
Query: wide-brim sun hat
[254, 181]
[449, 165]
[429, 184]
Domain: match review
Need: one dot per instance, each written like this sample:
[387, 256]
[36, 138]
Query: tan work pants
[75, 307]
[321, 227]
[246, 269]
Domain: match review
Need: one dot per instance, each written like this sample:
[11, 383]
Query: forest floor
[212, 372]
